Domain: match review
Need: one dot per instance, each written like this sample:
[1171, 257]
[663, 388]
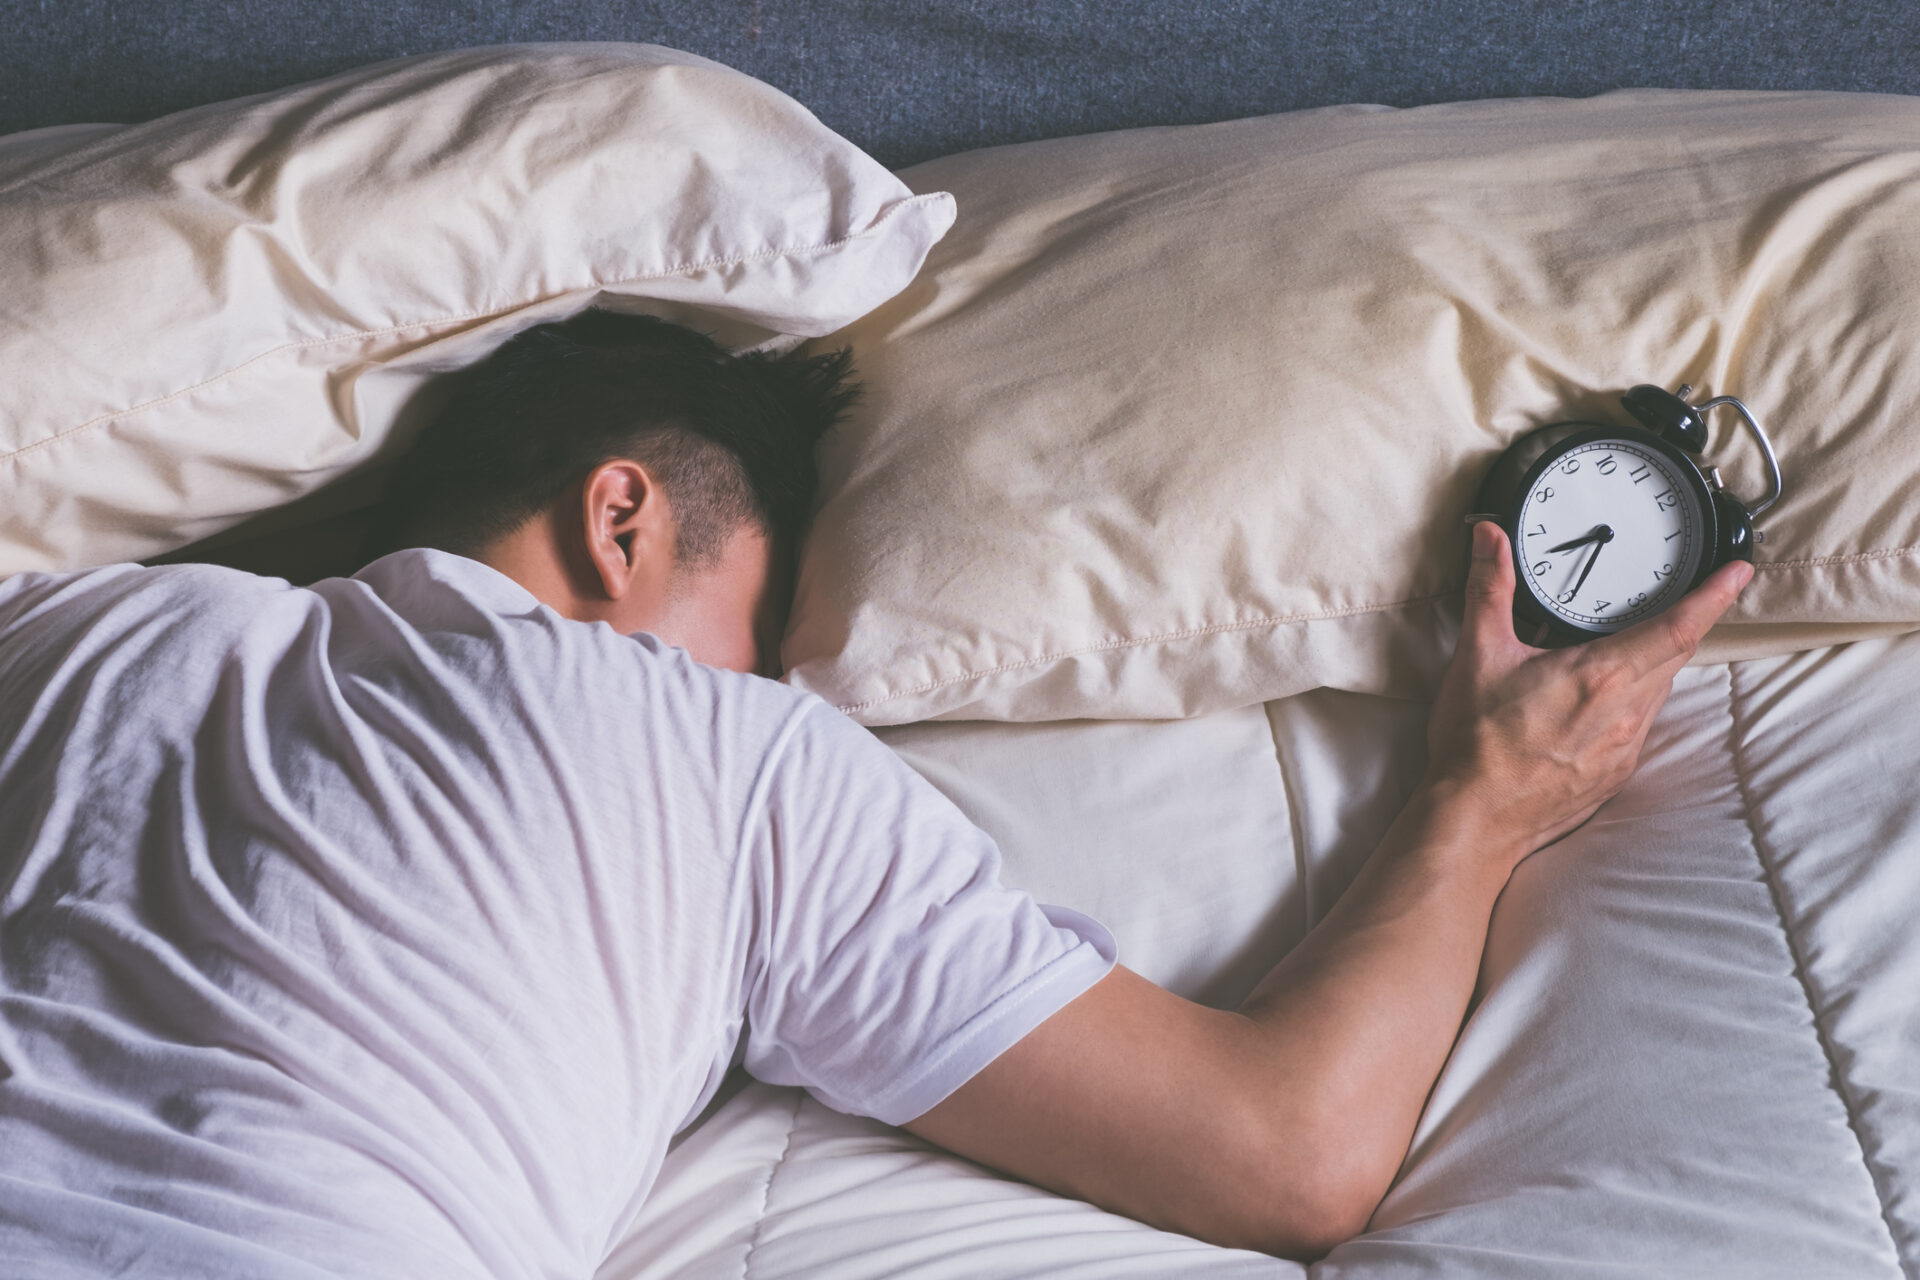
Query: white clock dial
[1609, 534]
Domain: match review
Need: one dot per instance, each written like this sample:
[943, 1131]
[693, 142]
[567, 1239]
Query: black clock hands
[1601, 533]
[1600, 537]
[1592, 559]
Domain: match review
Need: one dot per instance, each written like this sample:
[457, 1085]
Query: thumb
[1489, 614]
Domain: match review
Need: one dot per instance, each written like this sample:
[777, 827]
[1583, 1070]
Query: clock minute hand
[1601, 537]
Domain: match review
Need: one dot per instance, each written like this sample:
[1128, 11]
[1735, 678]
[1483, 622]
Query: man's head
[630, 471]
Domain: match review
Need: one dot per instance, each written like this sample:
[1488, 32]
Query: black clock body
[1726, 522]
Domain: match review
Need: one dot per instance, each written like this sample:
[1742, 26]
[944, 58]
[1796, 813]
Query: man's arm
[1280, 1127]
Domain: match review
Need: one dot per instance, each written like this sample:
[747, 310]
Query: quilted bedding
[1693, 1051]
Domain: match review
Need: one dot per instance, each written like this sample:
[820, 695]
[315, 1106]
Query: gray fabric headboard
[911, 79]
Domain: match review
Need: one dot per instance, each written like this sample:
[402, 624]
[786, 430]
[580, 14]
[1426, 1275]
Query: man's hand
[1534, 740]
[1280, 1127]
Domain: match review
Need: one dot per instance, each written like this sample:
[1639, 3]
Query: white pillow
[1184, 419]
[208, 315]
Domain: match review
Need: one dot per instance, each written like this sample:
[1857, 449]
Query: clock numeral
[1640, 472]
[1570, 466]
[1665, 501]
[1634, 600]
[1565, 597]
[1664, 571]
[1606, 466]
[1670, 537]
[1544, 494]
[1538, 531]
[1541, 568]
[1601, 606]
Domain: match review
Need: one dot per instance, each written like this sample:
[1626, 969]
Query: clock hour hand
[1601, 533]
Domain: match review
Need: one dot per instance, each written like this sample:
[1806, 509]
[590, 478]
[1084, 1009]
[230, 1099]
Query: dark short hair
[728, 437]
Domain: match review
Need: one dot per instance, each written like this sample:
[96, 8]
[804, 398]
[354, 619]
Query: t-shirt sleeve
[889, 964]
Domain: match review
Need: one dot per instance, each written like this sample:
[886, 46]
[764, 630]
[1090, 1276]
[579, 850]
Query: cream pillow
[1183, 419]
[209, 315]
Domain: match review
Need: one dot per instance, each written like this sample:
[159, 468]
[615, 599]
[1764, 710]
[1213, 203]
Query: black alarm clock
[1610, 524]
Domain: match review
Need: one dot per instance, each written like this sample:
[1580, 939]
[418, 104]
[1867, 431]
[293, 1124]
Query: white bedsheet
[1696, 1050]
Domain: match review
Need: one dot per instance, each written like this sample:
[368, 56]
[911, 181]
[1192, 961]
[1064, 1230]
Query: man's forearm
[1357, 1021]
[1278, 1127]
[1281, 1126]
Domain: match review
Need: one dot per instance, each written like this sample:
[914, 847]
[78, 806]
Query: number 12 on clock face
[1609, 533]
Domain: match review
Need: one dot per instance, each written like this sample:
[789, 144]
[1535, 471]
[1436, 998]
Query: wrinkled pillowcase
[1185, 419]
[209, 315]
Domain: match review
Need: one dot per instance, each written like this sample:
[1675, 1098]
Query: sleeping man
[392, 926]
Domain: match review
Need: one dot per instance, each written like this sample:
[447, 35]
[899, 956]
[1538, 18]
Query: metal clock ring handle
[1667, 413]
[1760, 438]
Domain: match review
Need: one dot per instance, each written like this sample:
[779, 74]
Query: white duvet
[1694, 1050]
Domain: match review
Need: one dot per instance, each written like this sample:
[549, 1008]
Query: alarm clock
[1611, 524]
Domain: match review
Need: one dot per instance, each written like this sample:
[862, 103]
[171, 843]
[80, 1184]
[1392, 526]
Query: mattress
[1693, 1049]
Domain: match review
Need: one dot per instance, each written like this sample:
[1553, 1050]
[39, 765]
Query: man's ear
[629, 529]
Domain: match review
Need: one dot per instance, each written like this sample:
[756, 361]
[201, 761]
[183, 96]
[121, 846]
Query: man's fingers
[1673, 636]
[1488, 624]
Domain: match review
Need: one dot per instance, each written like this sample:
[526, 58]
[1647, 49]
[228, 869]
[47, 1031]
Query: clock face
[1610, 533]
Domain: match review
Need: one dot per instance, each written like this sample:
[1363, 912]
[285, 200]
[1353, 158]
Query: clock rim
[1527, 604]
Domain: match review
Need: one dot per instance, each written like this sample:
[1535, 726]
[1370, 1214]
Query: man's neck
[532, 556]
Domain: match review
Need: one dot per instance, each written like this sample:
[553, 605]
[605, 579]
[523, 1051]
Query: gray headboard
[911, 79]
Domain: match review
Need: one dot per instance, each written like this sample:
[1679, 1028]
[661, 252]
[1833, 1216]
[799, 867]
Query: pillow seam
[1221, 628]
[1140, 642]
[1850, 557]
[762, 255]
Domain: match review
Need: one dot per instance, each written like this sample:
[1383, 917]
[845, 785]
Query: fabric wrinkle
[1767, 860]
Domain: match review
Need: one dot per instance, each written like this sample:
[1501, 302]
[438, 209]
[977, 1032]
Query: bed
[1693, 1046]
[1683, 1060]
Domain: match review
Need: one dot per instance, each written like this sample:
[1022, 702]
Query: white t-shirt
[391, 927]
